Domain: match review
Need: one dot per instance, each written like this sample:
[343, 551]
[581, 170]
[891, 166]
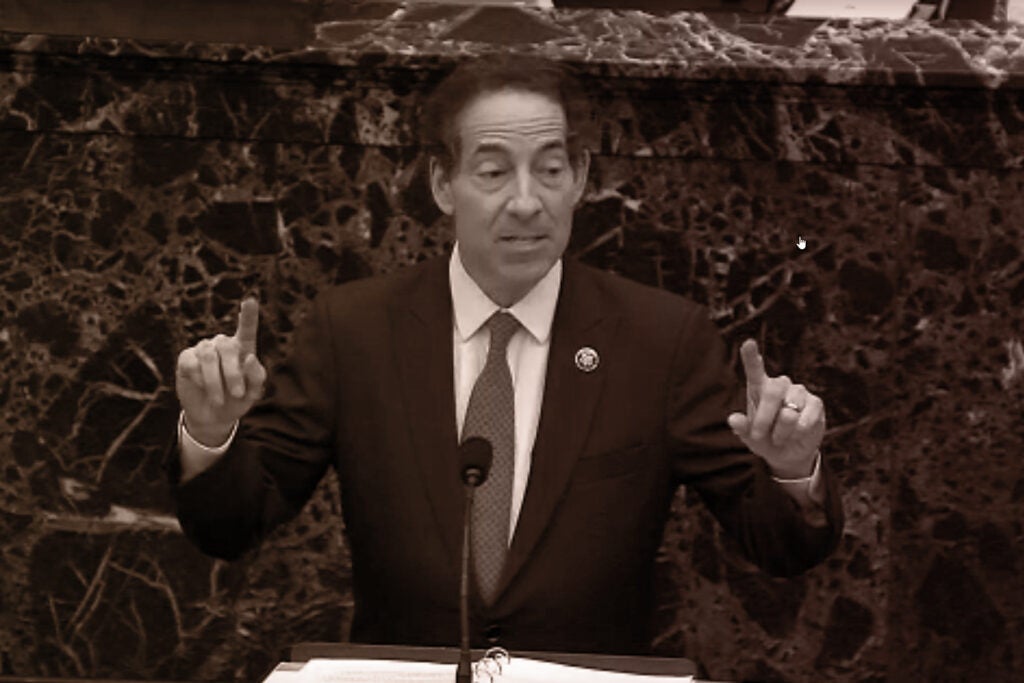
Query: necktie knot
[502, 326]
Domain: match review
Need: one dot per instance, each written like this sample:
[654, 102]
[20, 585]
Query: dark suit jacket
[368, 390]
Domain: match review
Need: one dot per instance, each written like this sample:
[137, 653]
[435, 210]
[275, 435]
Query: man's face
[512, 190]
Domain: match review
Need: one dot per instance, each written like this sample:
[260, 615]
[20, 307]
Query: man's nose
[524, 203]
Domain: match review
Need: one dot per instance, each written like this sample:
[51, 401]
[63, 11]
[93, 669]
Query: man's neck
[505, 296]
[534, 309]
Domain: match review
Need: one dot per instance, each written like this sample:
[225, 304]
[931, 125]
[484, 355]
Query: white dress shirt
[527, 358]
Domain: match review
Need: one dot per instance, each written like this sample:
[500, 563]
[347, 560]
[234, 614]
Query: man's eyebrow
[490, 148]
[498, 148]
[553, 145]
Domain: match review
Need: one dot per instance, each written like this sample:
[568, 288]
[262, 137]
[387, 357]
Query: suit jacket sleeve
[280, 453]
[735, 484]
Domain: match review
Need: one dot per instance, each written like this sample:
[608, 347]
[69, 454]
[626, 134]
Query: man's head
[507, 163]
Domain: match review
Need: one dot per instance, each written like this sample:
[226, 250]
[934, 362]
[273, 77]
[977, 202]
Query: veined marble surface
[148, 183]
[627, 43]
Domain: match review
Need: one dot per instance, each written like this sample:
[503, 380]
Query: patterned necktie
[491, 414]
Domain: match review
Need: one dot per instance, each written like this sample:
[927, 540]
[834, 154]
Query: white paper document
[361, 671]
[519, 670]
[1015, 10]
[851, 9]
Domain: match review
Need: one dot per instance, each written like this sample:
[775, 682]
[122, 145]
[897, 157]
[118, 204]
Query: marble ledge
[117, 520]
[607, 43]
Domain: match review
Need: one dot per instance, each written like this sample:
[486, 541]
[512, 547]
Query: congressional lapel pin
[587, 359]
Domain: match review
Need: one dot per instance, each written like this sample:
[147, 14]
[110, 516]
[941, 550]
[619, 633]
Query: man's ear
[441, 187]
[580, 171]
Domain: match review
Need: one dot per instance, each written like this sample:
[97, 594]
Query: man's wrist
[798, 474]
[215, 438]
[806, 489]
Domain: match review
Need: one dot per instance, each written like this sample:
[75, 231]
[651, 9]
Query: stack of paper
[518, 670]
[851, 9]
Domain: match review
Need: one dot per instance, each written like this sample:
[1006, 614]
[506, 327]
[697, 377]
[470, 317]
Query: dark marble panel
[957, 487]
[377, 104]
[736, 226]
[108, 270]
[723, 232]
[113, 599]
[104, 286]
[266, 22]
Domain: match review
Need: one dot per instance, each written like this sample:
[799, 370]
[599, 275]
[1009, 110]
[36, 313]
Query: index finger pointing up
[248, 326]
[753, 363]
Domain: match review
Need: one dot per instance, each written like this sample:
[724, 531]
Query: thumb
[740, 424]
[248, 326]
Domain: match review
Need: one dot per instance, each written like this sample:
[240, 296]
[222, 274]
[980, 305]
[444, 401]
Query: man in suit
[600, 396]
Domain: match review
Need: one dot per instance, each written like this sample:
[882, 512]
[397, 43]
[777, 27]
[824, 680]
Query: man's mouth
[521, 238]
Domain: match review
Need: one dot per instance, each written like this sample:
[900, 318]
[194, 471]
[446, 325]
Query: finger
[795, 399]
[255, 378]
[772, 393]
[739, 423]
[248, 326]
[209, 365]
[785, 425]
[812, 414]
[753, 364]
[228, 349]
[188, 369]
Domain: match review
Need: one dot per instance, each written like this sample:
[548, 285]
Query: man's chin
[517, 279]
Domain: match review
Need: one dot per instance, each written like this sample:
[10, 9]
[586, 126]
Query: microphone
[475, 457]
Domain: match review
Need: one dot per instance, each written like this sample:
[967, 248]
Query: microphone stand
[464, 672]
[475, 457]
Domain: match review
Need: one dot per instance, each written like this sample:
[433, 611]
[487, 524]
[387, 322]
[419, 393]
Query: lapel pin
[587, 359]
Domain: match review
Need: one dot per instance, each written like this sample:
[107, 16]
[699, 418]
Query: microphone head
[475, 457]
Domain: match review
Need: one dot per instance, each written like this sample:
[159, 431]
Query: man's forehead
[545, 134]
[508, 116]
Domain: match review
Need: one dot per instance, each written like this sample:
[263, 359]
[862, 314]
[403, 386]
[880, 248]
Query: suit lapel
[422, 326]
[570, 398]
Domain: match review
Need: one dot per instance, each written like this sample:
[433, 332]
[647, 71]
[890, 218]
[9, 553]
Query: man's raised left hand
[784, 423]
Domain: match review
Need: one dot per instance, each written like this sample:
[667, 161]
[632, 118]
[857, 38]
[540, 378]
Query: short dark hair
[493, 73]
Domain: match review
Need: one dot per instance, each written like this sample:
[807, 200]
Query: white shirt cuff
[188, 442]
[806, 488]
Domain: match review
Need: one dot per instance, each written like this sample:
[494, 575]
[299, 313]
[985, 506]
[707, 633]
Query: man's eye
[491, 173]
[553, 173]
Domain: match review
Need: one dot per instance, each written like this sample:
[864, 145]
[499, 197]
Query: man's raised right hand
[219, 379]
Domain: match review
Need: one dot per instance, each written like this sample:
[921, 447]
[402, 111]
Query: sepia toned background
[153, 176]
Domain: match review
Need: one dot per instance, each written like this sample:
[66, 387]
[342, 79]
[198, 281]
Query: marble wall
[146, 187]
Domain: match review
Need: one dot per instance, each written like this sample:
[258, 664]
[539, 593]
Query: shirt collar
[473, 308]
